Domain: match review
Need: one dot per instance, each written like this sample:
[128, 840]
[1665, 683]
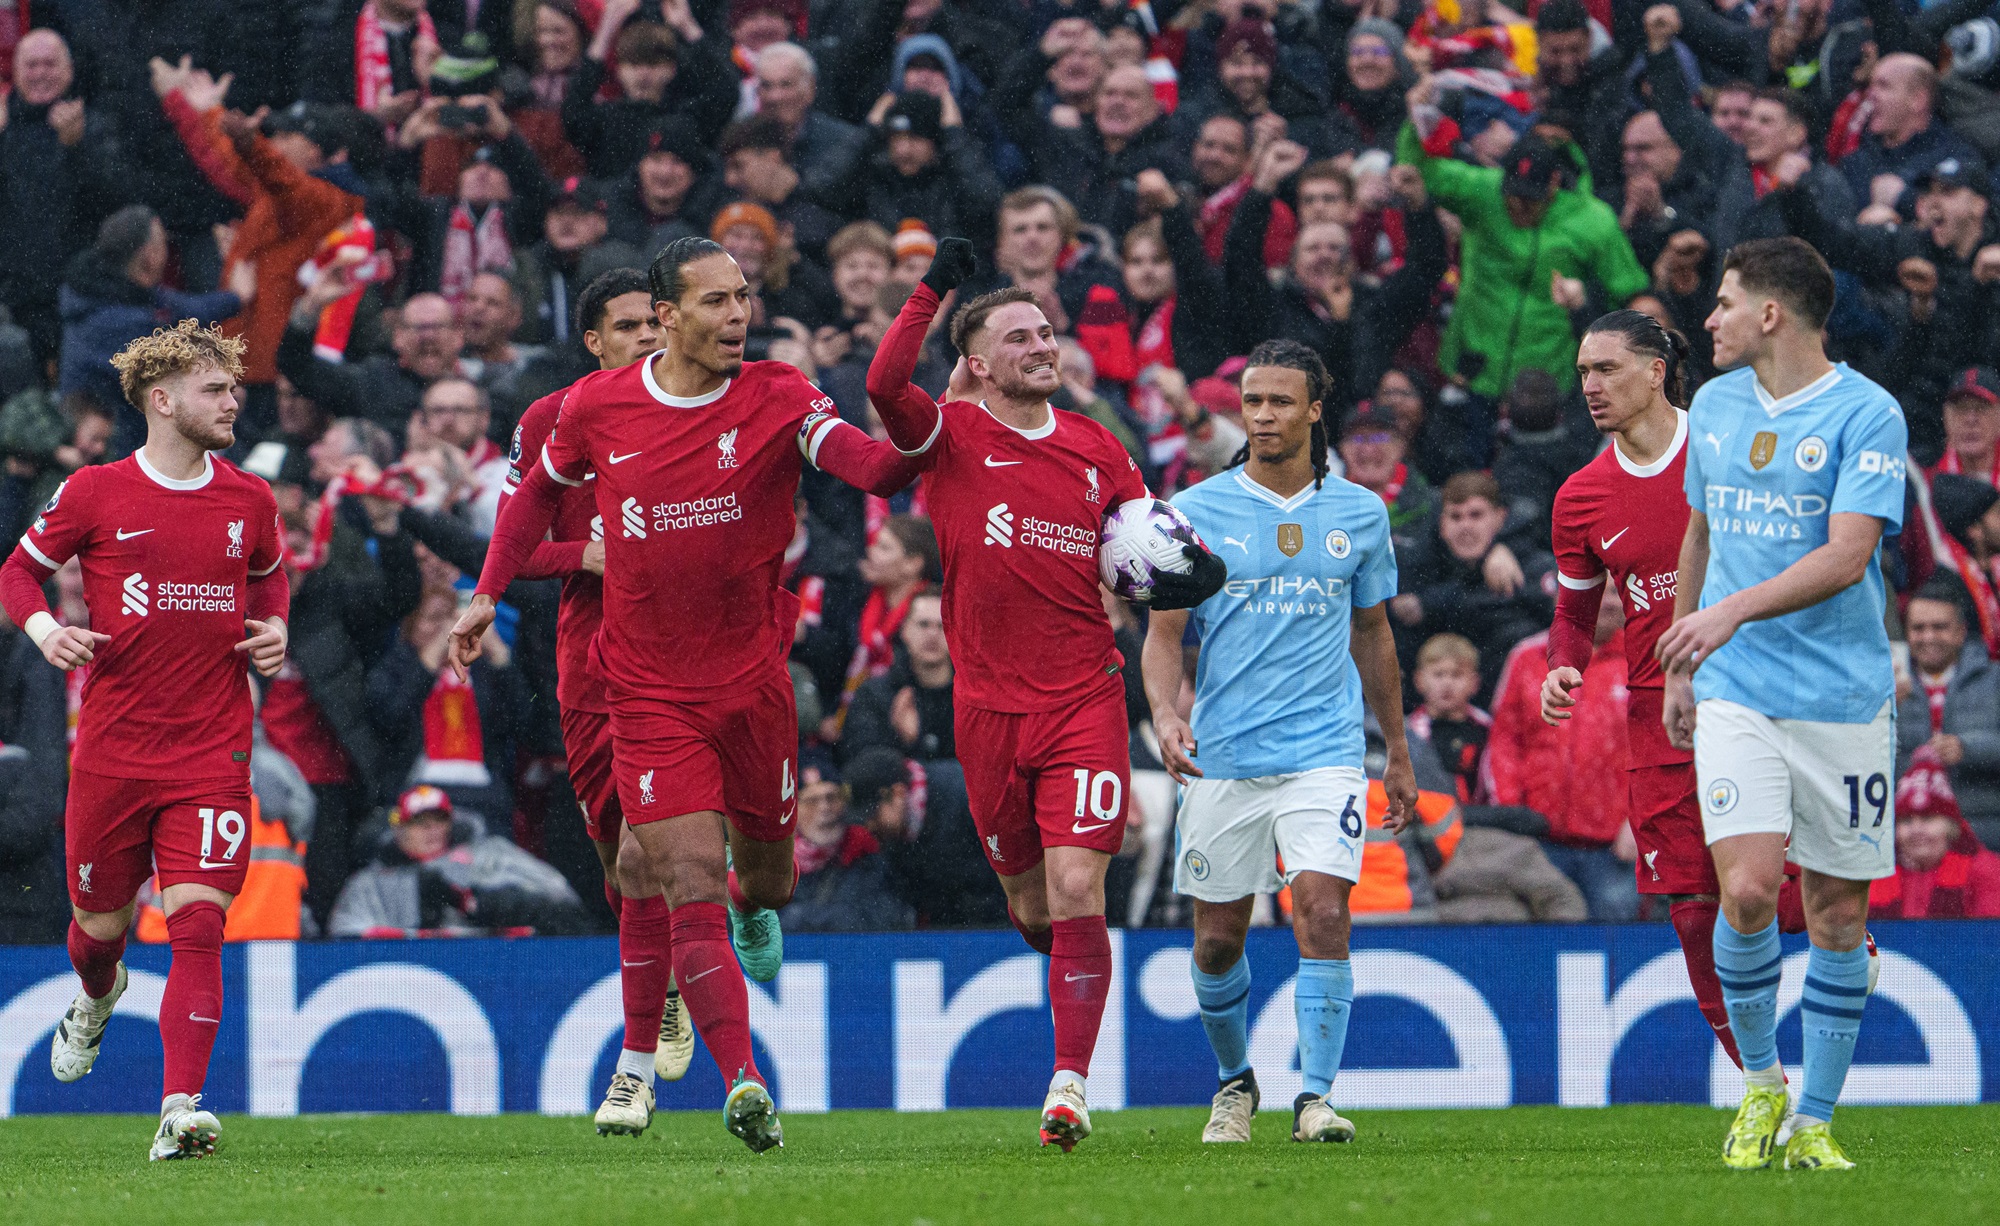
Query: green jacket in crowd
[1504, 320]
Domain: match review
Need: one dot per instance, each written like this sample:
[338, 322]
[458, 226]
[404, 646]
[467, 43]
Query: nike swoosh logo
[993, 463]
[217, 864]
[192, 1017]
[786, 818]
[647, 962]
[1073, 977]
[126, 536]
[1609, 541]
[1080, 828]
[710, 971]
[615, 458]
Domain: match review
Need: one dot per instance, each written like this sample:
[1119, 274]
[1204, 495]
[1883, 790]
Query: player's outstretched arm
[66, 647]
[523, 522]
[842, 450]
[907, 411]
[1373, 646]
[1161, 665]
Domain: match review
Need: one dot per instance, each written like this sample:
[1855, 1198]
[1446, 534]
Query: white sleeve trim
[38, 555]
[935, 431]
[1580, 585]
[817, 438]
[549, 466]
[259, 574]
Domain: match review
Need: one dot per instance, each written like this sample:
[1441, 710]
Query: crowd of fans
[398, 204]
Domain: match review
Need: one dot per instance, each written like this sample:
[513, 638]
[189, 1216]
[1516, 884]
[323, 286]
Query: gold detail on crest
[1762, 448]
[1291, 539]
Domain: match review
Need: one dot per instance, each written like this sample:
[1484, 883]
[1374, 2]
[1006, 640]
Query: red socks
[711, 983]
[191, 1006]
[645, 960]
[1079, 982]
[1791, 907]
[1042, 941]
[1694, 922]
[96, 961]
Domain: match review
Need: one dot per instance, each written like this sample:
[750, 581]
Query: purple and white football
[1140, 539]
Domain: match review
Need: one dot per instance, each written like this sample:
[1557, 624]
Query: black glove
[437, 896]
[1171, 591]
[951, 266]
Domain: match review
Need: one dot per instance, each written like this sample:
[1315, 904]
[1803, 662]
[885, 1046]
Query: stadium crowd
[398, 204]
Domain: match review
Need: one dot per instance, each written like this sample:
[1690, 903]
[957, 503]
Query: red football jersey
[1624, 521]
[166, 565]
[1017, 514]
[696, 496]
[579, 684]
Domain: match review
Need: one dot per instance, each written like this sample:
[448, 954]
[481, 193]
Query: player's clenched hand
[593, 558]
[1677, 711]
[1399, 780]
[1695, 638]
[266, 645]
[1559, 694]
[72, 646]
[1171, 591]
[467, 632]
[1177, 748]
[951, 266]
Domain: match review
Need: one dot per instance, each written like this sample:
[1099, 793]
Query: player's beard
[1019, 386]
[209, 436]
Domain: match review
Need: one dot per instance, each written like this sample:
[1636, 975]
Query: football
[1139, 539]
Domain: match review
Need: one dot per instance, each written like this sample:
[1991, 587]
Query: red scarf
[1948, 554]
[472, 248]
[1850, 124]
[374, 80]
[856, 842]
[1952, 464]
[875, 651]
[1394, 489]
[336, 322]
[1212, 224]
[1761, 182]
[1934, 694]
[454, 747]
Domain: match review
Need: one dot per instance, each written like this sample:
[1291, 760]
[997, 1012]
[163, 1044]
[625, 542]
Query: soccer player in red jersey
[180, 557]
[1017, 493]
[696, 456]
[1620, 520]
[614, 315]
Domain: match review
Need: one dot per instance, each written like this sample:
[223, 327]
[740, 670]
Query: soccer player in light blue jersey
[1294, 643]
[1778, 672]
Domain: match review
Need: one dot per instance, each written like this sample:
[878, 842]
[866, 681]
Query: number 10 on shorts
[1102, 793]
[230, 825]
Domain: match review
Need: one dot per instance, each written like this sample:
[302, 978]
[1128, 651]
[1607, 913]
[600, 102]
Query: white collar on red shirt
[1039, 432]
[1666, 457]
[679, 402]
[160, 478]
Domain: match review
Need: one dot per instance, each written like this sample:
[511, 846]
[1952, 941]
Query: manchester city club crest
[1337, 544]
[1721, 796]
[1291, 539]
[1762, 448]
[1197, 865]
[1810, 454]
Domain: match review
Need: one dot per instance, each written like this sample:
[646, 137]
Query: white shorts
[1830, 787]
[1232, 831]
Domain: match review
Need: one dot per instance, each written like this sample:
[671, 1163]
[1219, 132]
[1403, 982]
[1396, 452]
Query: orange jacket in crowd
[268, 907]
[286, 214]
[1384, 888]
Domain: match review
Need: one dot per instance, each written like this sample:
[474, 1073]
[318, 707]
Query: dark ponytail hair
[665, 276]
[1643, 334]
[1291, 355]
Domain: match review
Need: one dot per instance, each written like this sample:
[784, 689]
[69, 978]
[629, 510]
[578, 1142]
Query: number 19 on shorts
[229, 824]
[1101, 795]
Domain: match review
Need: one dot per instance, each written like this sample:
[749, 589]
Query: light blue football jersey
[1275, 689]
[1768, 473]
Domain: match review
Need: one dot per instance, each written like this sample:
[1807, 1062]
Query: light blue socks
[1323, 998]
[1225, 1015]
[1830, 1016]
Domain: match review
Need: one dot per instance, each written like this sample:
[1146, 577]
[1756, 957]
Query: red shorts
[736, 754]
[587, 744]
[1047, 778]
[1666, 824]
[115, 831]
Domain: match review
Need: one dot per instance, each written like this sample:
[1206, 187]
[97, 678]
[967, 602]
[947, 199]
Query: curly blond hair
[185, 347]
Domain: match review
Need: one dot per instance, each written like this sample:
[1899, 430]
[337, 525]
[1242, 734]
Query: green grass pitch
[1644, 1165]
